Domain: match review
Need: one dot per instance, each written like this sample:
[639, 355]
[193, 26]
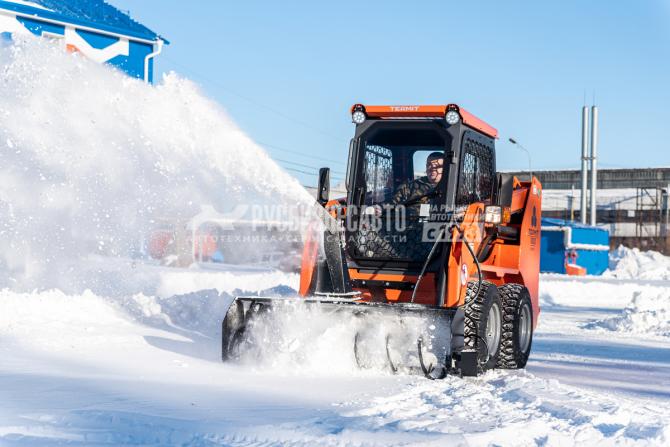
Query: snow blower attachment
[433, 271]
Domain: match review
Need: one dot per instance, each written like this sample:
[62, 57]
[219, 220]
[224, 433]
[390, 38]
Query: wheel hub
[525, 325]
[493, 324]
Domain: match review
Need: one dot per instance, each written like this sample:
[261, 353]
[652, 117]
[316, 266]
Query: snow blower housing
[428, 231]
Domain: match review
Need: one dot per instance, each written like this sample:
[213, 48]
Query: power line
[308, 172]
[290, 151]
[254, 102]
[273, 110]
[305, 166]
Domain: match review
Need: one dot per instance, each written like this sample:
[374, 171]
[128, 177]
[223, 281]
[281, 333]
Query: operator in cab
[422, 189]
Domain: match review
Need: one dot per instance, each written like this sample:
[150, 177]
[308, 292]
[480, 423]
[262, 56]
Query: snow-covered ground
[88, 369]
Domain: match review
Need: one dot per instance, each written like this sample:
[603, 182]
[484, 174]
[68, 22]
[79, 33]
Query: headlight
[452, 117]
[358, 117]
[497, 215]
[493, 215]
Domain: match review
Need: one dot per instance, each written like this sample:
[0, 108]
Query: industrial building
[631, 203]
[92, 28]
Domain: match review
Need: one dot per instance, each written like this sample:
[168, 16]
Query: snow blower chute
[438, 267]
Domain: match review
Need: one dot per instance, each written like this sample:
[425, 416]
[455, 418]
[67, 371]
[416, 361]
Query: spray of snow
[90, 160]
[293, 336]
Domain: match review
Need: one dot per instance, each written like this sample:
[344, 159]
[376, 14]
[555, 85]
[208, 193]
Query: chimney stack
[594, 162]
[585, 160]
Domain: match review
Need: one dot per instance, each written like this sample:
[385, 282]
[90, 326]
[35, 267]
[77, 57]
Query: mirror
[323, 191]
[504, 190]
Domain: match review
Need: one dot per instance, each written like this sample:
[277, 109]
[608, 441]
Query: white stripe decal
[567, 240]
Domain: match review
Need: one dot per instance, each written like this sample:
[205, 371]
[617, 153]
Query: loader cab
[392, 203]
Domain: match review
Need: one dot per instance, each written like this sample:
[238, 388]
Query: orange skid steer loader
[441, 266]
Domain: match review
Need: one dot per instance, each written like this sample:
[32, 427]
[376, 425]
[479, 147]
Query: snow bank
[627, 263]
[648, 313]
[570, 291]
[90, 160]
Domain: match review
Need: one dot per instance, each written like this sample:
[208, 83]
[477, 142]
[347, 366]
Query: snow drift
[648, 313]
[90, 159]
[627, 263]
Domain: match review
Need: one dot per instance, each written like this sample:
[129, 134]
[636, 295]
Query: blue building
[570, 247]
[93, 28]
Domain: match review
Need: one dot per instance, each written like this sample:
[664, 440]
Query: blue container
[583, 245]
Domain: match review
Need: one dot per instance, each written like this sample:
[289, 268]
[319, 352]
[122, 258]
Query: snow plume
[627, 263]
[338, 339]
[90, 159]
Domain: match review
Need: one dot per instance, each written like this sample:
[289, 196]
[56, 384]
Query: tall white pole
[585, 158]
[594, 161]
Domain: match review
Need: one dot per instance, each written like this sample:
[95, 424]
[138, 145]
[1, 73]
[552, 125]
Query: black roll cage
[453, 135]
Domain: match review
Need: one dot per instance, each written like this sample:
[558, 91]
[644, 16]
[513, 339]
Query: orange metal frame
[428, 111]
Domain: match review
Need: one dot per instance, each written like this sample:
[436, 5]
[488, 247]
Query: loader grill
[378, 172]
[477, 171]
[385, 244]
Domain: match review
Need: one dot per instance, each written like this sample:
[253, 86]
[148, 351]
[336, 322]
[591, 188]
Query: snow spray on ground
[294, 336]
[91, 159]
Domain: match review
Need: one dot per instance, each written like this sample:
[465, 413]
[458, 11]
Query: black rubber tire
[477, 306]
[512, 355]
[231, 325]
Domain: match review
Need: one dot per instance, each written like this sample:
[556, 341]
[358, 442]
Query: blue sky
[289, 71]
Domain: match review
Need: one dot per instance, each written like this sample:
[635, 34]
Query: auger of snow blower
[435, 253]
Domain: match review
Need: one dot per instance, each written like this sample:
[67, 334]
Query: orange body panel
[508, 262]
[511, 263]
[405, 111]
[529, 246]
[519, 199]
[410, 111]
[470, 120]
[424, 295]
[461, 266]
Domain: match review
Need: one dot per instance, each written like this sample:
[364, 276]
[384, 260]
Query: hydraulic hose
[474, 257]
[425, 264]
[479, 286]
